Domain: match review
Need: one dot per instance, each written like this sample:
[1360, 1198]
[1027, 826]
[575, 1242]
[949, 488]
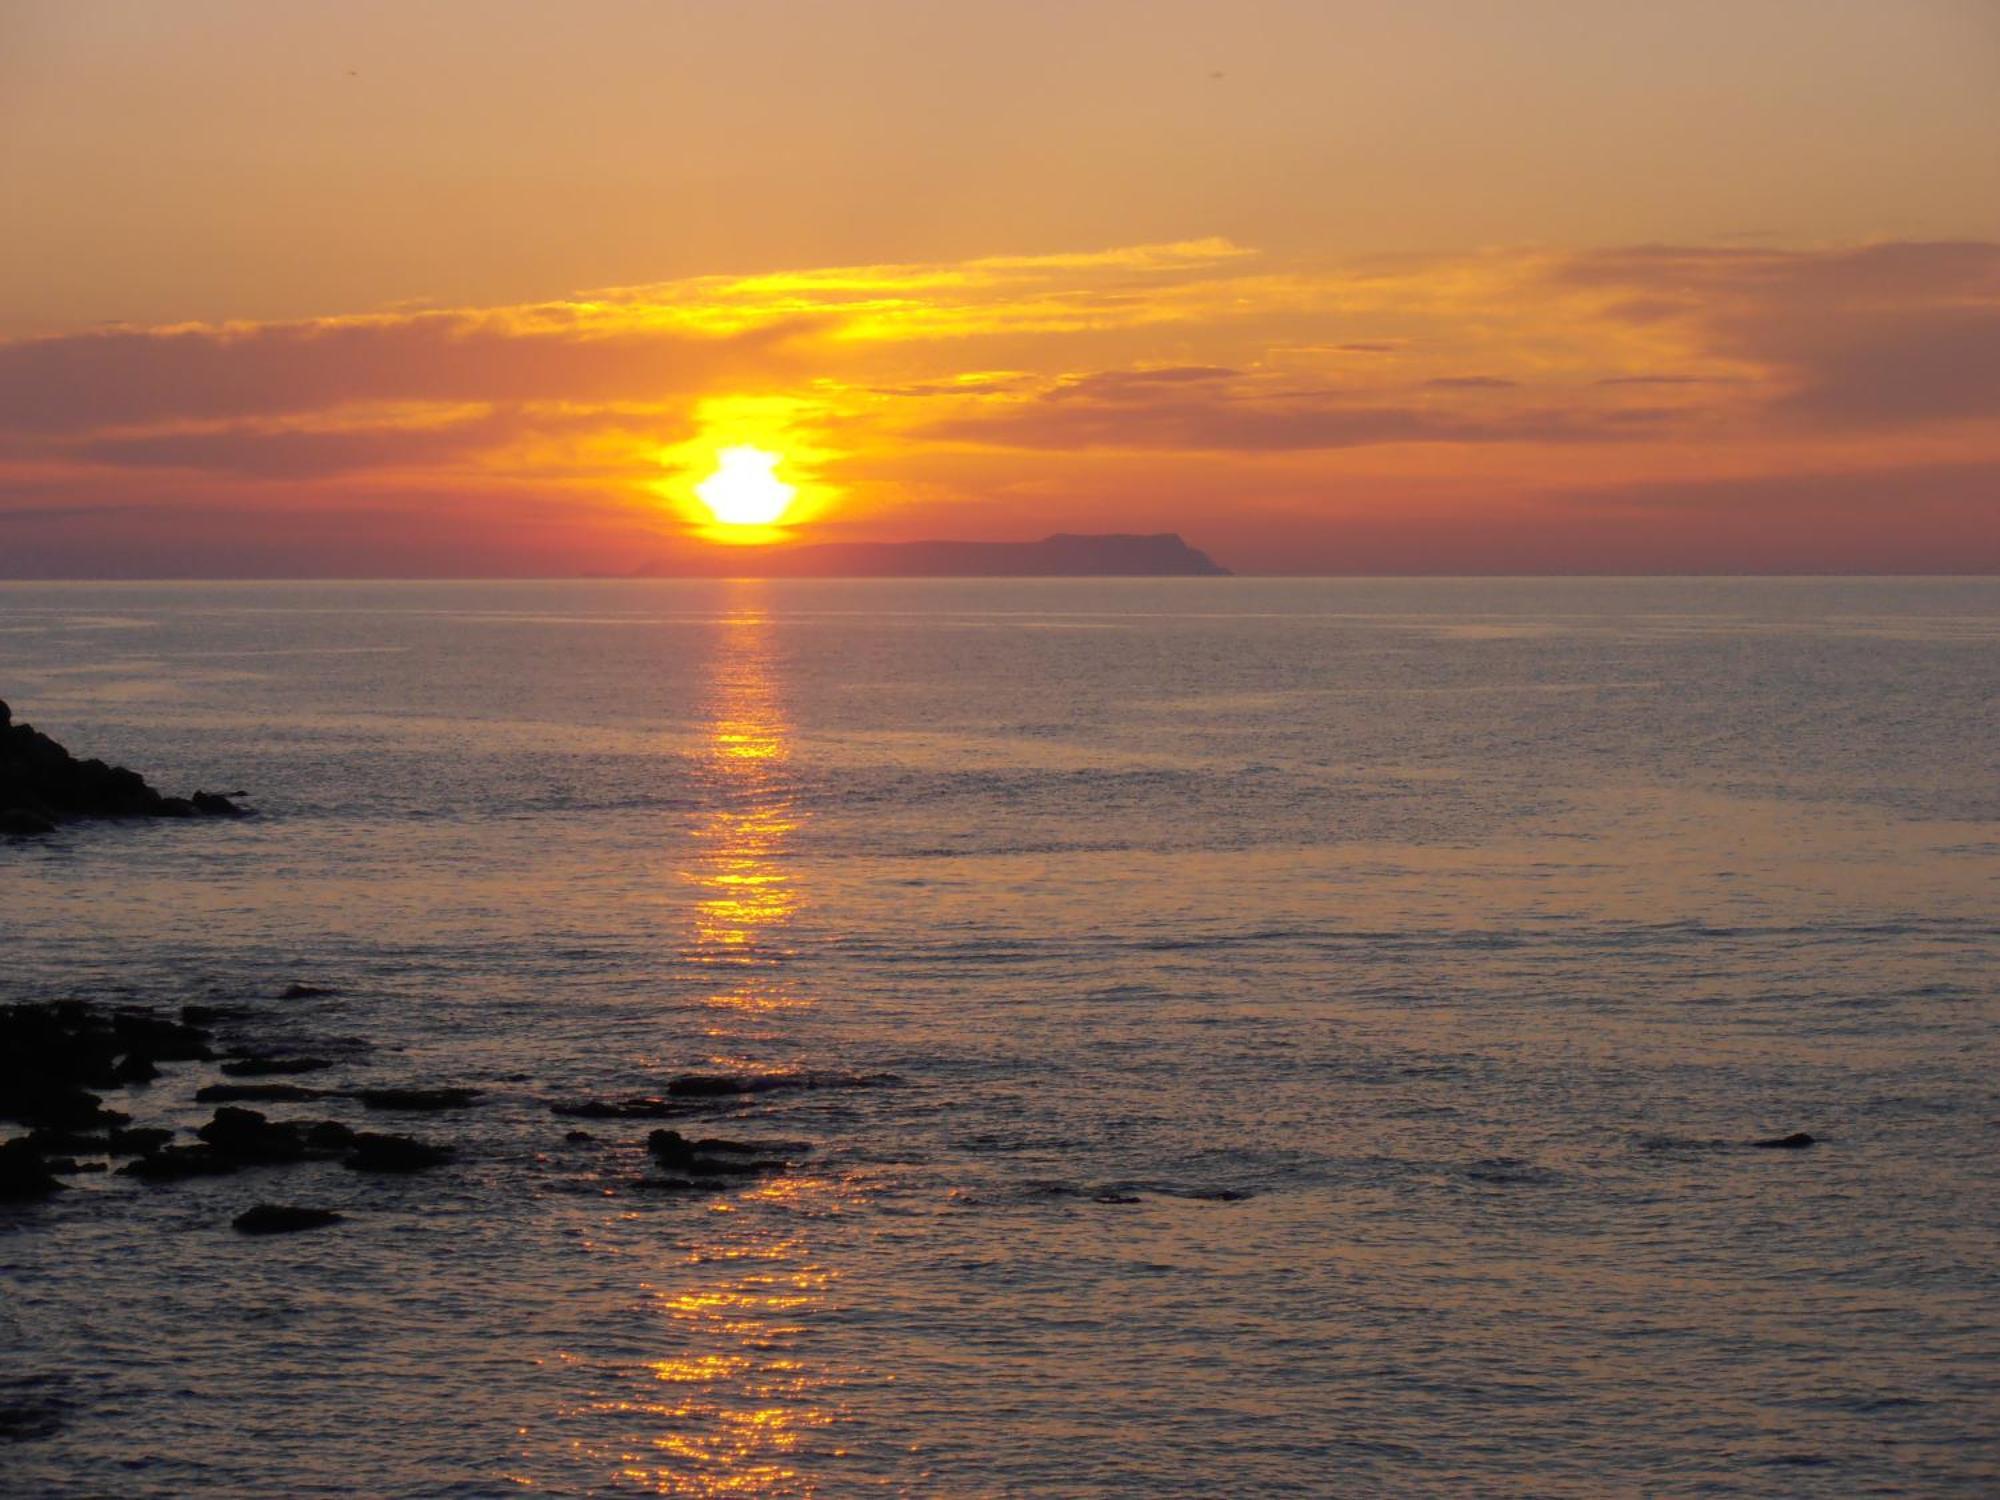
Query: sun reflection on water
[731, 1405]
[745, 893]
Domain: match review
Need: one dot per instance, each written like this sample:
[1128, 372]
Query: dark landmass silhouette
[1064, 555]
[42, 784]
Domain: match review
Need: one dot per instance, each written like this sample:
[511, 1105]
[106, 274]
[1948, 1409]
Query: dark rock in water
[280, 1218]
[22, 1422]
[675, 1185]
[246, 1135]
[635, 1108]
[24, 1176]
[578, 1137]
[135, 1067]
[306, 992]
[1798, 1140]
[707, 1086]
[394, 1153]
[255, 1093]
[49, 1047]
[726, 1085]
[62, 1105]
[42, 784]
[18, 822]
[711, 1157]
[670, 1148]
[137, 1141]
[272, 1067]
[417, 1098]
[177, 1163]
[69, 1166]
[53, 1140]
[159, 1038]
[1118, 1198]
[329, 1136]
[208, 1015]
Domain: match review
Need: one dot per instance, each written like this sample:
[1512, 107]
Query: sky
[485, 289]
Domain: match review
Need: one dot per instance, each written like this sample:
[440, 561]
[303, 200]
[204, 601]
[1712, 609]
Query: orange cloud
[1284, 414]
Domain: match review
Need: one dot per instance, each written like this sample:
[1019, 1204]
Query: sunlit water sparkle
[1311, 1027]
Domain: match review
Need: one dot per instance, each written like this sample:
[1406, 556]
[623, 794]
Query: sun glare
[744, 490]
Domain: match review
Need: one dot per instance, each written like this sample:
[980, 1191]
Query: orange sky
[482, 289]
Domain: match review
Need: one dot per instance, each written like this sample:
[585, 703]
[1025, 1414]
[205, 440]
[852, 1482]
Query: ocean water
[1302, 1037]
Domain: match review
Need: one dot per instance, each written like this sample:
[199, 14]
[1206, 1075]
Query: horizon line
[1234, 576]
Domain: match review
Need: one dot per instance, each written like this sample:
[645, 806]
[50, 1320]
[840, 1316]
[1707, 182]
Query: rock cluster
[57, 1058]
[42, 784]
[54, 1057]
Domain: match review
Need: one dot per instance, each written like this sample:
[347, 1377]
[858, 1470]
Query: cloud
[1872, 335]
[139, 376]
[987, 387]
[292, 453]
[1222, 421]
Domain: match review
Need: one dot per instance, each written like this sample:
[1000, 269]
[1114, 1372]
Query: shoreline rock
[42, 785]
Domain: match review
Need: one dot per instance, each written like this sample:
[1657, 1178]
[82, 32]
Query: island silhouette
[1064, 555]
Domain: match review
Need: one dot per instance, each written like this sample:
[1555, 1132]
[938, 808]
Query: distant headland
[1064, 555]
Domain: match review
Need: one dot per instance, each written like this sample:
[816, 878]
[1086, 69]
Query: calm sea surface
[1311, 1032]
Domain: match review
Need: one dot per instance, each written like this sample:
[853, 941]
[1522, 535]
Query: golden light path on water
[728, 1409]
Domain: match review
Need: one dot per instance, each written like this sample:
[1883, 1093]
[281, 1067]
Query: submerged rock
[42, 784]
[417, 1098]
[255, 1093]
[637, 1107]
[306, 992]
[1798, 1140]
[677, 1185]
[725, 1085]
[178, 1163]
[282, 1218]
[711, 1156]
[269, 1067]
[689, 1091]
[394, 1153]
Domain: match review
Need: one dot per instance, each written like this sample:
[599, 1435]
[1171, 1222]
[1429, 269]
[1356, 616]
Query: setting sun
[744, 490]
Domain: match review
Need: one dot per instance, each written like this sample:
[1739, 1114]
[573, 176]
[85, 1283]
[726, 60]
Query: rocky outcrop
[43, 785]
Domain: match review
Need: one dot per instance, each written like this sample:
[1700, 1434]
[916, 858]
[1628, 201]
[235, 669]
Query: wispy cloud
[958, 397]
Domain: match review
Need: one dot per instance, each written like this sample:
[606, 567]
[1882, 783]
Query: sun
[743, 490]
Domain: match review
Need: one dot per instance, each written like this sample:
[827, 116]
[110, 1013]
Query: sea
[1231, 1037]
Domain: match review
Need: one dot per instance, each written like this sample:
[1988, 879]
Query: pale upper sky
[197, 159]
[1414, 286]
